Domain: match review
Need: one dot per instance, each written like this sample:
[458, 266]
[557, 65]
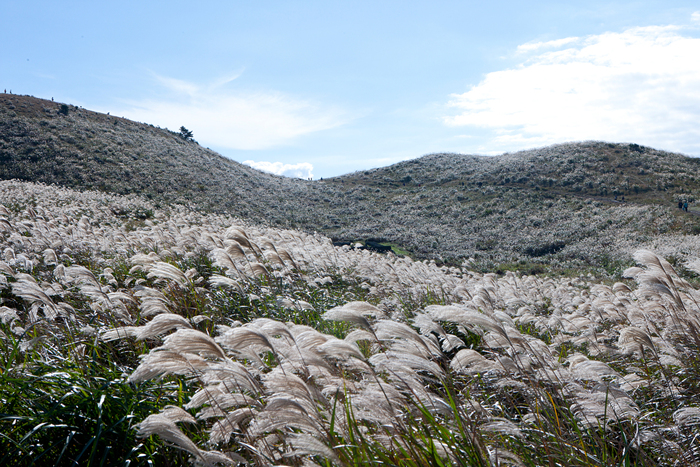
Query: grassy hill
[160, 311]
[89, 150]
[560, 206]
[574, 202]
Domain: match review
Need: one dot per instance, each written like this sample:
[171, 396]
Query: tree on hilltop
[186, 134]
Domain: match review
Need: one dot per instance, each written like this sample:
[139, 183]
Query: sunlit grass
[288, 351]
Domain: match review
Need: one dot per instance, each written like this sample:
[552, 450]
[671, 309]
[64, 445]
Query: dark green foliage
[425, 439]
[78, 414]
[186, 134]
[546, 249]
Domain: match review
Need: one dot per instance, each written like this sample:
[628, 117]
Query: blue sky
[327, 88]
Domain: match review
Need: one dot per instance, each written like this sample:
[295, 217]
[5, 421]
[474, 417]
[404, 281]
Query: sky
[318, 89]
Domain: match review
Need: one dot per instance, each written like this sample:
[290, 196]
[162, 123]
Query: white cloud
[532, 46]
[300, 170]
[695, 16]
[641, 85]
[230, 119]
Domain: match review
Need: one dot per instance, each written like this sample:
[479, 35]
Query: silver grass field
[188, 337]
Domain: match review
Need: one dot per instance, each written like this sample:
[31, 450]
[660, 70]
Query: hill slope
[579, 199]
[555, 205]
[85, 149]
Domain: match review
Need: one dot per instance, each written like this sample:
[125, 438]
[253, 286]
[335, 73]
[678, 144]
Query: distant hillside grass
[560, 206]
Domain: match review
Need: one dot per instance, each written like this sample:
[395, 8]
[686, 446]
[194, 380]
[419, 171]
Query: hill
[569, 202]
[90, 150]
[492, 211]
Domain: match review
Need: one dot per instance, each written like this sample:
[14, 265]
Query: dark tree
[63, 110]
[185, 133]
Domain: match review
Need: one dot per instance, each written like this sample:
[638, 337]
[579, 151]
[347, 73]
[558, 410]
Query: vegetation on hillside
[494, 213]
[133, 334]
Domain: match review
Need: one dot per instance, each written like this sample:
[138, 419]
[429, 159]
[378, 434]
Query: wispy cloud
[177, 85]
[300, 170]
[220, 116]
[532, 46]
[641, 85]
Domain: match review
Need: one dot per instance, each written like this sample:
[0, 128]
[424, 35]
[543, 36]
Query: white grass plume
[400, 363]
[167, 362]
[304, 444]
[6, 269]
[467, 318]
[632, 338]
[216, 394]
[471, 361]
[387, 330]
[153, 301]
[166, 271]
[341, 313]
[27, 288]
[217, 280]
[163, 424]
[193, 341]
[50, 258]
[159, 325]
[224, 260]
[687, 416]
[502, 425]
[602, 404]
[241, 338]
[584, 369]
[8, 315]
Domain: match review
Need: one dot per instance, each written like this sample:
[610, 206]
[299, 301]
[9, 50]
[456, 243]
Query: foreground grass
[197, 338]
[65, 414]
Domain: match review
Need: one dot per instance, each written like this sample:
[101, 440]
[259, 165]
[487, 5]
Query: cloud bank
[231, 119]
[641, 85]
[300, 170]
